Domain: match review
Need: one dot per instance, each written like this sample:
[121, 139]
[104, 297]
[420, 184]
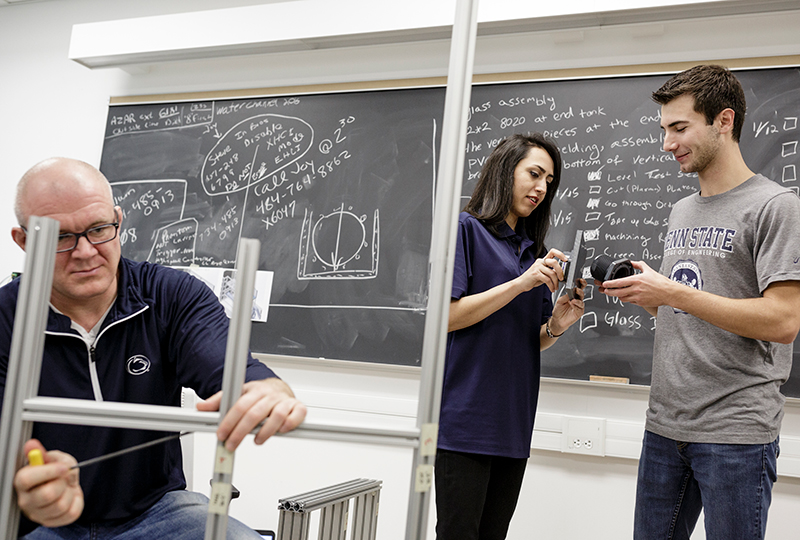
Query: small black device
[604, 268]
[266, 534]
[573, 267]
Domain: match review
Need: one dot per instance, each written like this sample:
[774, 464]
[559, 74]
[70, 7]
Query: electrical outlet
[582, 435]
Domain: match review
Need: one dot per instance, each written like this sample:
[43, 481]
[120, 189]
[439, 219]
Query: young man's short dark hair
[714, 89]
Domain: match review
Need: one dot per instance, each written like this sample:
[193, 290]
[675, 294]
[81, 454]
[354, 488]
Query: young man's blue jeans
[179, 515]
[731, 483]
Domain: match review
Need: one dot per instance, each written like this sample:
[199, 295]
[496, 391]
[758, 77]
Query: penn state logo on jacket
[686, 272]
[138, 365]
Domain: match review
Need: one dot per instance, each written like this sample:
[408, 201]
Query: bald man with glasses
[123, 331]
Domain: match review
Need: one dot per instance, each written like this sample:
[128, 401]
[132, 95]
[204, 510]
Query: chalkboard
[339, 188]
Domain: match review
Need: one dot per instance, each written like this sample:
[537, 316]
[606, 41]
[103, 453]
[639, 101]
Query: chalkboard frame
[765, 63]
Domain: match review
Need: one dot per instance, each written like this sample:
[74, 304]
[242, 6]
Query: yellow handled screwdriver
[35, 456]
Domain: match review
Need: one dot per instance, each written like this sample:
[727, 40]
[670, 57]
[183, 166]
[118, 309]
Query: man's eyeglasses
[96, 235]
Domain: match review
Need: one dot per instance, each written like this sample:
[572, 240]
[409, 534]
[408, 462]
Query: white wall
[53, 106]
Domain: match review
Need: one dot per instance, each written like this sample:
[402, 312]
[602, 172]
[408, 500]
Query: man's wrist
[549, 330]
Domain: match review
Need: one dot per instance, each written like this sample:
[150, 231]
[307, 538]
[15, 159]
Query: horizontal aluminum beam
[164, 418]
[313, 500]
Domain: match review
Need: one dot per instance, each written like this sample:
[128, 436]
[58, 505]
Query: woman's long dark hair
[492, 199]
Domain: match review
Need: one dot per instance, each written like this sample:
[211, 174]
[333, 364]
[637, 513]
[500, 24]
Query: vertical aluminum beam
[25, 360]
[358, 517]
[333, 521]
[236, 354]
[448, 198]
[365, 516]
[293, 525]
[373, 505]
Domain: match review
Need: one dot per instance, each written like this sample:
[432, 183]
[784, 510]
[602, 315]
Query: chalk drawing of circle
[338, 238]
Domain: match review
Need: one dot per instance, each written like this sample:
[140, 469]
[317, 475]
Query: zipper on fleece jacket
[98, 392]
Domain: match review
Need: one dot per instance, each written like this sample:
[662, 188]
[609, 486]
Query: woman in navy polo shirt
[501, 318]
